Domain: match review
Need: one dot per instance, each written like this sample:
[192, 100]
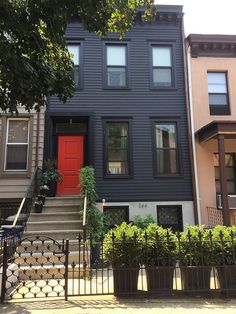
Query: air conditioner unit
[231, 200]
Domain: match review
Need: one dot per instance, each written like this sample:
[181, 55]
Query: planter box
[125, 280]
[196, 278]
[160, 279]
[227, 277]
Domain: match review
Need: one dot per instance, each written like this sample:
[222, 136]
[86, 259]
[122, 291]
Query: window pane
[74, 51]
[165, 136]
[217, 83]
[161, 56]
[75, 75]
[218, 99]
[166, 161]
[16, 157]
[162, 77]
[116, 55]
[230, 173]
[116, 76]
[117, 145]
[231, 187]
[118, 168]
[18, 131]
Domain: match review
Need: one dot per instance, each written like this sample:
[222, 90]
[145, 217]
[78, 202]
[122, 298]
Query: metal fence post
[66, 269]
[4, 271]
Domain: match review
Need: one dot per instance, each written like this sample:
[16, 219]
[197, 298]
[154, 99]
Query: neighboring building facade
[127, 118]
[212, 67]
[21, 142]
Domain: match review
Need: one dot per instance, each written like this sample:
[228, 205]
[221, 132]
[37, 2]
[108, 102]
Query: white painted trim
[7, 144]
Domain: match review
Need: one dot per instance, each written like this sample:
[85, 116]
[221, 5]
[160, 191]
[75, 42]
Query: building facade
[128, 119]
[212, 73]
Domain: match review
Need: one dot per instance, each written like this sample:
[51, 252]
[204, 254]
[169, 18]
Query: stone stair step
[52, 208]
[55, 234]
[53, 225]
[64, 200]
[60, 216]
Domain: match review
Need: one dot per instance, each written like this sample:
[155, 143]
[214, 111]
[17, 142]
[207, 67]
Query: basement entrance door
[70, 160]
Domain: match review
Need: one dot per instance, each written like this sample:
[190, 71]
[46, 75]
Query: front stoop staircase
[59, 220]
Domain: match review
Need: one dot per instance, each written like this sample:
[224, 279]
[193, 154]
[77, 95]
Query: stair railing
[25, 208]
[85, 214]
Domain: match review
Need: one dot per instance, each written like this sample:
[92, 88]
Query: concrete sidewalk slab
[109, 304]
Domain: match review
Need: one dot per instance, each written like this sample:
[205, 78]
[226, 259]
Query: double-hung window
[117, 148]
[162, 66]
[74, 51]
[17, 145]
[166, 149]
[218, 93]
[116, 66]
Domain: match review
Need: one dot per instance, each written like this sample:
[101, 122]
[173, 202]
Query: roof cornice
[212, 45]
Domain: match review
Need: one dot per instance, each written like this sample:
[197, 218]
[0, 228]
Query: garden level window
[218, 93]
[74, 51]
[117, 148]
[115, 215]
[230, 165]
[116, 66]
[162, 68]
[166, 149]
[17, 143]
[170, 216]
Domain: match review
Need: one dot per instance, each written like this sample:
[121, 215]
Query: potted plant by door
[38, 206]
[224, 255]
[195, 259]
[122, 249]
[159, 258]
[50, 177]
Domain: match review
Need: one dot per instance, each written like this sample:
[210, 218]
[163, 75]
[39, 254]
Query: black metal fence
[43, 267]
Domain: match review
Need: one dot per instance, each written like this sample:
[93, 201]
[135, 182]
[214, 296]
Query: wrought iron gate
[36, 268]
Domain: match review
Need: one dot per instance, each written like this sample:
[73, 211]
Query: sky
[206, 16]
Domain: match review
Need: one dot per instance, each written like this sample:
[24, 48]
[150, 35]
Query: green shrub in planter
[195, 257]
[143, 222]
[122, 249]
[224, 255]
[159, 251]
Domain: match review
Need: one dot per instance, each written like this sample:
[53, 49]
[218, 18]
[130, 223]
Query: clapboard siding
[139, 102]
[15, 187]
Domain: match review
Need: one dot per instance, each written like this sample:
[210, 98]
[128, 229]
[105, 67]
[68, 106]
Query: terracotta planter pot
[125, 280]
[196, 278]
[227, 277]
[160, 279]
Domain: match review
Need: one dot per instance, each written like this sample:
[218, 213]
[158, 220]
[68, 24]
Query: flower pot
[227, 277]
[42, 198]
[160, 279]
[125, 280]
[196, 278]
[38, 208]
[52, 189]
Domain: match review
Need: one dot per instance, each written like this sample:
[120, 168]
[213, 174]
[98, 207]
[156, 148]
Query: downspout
[192, 128]
[191, 138]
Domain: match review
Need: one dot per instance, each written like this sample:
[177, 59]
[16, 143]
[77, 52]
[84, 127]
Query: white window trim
[6, 145]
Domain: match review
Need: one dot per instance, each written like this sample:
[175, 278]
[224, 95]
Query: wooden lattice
[214, 217]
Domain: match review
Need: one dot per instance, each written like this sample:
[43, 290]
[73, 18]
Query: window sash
[125, 76]
[230, 164]
[112, 58]
[76, 55]
[121, 164]
[112, 63]
[156, 65]
[7, 144]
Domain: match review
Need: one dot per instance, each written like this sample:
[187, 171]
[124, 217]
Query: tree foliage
[34, 60]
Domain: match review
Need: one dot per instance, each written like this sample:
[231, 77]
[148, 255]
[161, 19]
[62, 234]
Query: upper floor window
[116, 66]
[17, 142]
[166, 149]
[218, 93]
[74, 51]
[117, 148]
[162, 67]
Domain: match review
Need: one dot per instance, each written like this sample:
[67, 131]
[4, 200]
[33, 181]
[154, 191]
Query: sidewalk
[107, 305]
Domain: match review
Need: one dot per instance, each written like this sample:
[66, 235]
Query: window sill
[116, 88]
[15, 174]
[169, 176]
[164, 89]
[115, 176]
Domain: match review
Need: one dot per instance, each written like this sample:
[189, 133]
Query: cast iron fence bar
[66, 269]
[4, 271]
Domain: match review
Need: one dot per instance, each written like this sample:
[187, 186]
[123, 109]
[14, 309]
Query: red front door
[70, 160]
